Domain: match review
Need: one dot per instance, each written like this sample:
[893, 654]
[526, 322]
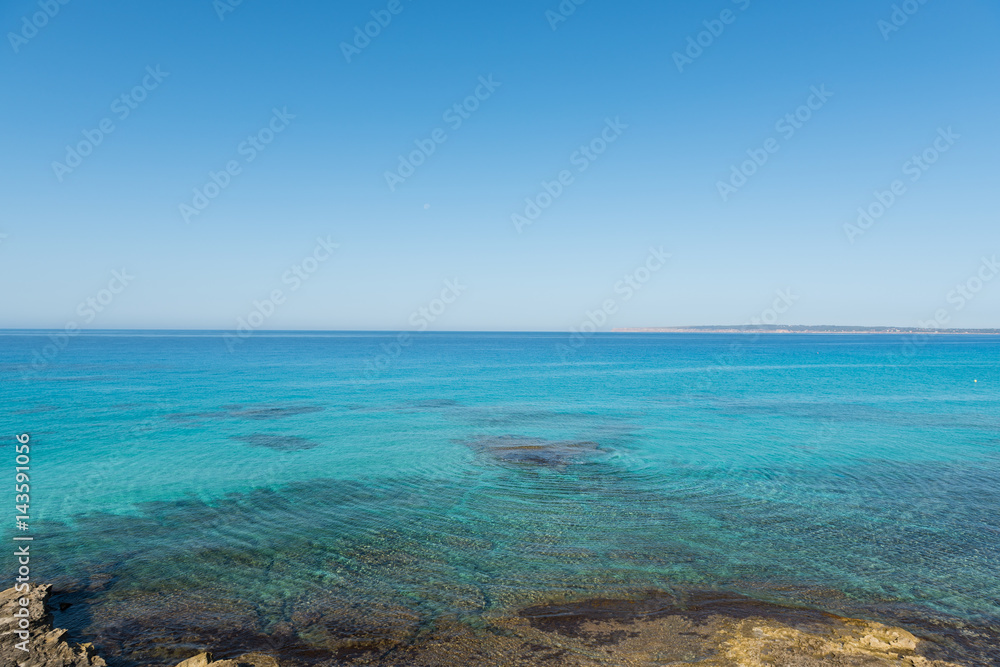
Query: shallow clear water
[474, 472]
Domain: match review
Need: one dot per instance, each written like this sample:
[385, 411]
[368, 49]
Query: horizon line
[707, 328]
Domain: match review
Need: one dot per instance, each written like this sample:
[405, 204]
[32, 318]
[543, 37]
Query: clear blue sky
[324, 174]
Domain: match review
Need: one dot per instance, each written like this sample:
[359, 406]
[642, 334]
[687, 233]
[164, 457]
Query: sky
[517, 165]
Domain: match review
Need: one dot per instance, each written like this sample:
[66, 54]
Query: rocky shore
[711, 630]
[48, 647]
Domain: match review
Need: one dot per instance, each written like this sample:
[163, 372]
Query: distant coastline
[803, 329]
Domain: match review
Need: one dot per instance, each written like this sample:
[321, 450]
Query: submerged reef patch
[281, 443]
[257, 412]
[533, 451]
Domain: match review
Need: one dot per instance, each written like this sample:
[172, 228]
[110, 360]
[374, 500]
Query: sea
[355, 488]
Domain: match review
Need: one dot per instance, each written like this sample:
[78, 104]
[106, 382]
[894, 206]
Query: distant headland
[802, 329]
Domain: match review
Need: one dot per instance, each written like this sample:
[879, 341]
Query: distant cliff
[798, 328]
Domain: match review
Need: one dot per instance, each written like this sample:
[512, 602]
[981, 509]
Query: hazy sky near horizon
[121, 119]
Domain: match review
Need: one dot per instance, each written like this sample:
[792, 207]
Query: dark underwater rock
[534, 451]
[281, 443]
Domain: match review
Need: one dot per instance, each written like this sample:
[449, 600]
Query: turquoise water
[177, 484]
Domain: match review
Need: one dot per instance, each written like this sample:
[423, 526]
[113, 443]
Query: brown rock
[200, 660]
[245, 660]
[257, 660]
